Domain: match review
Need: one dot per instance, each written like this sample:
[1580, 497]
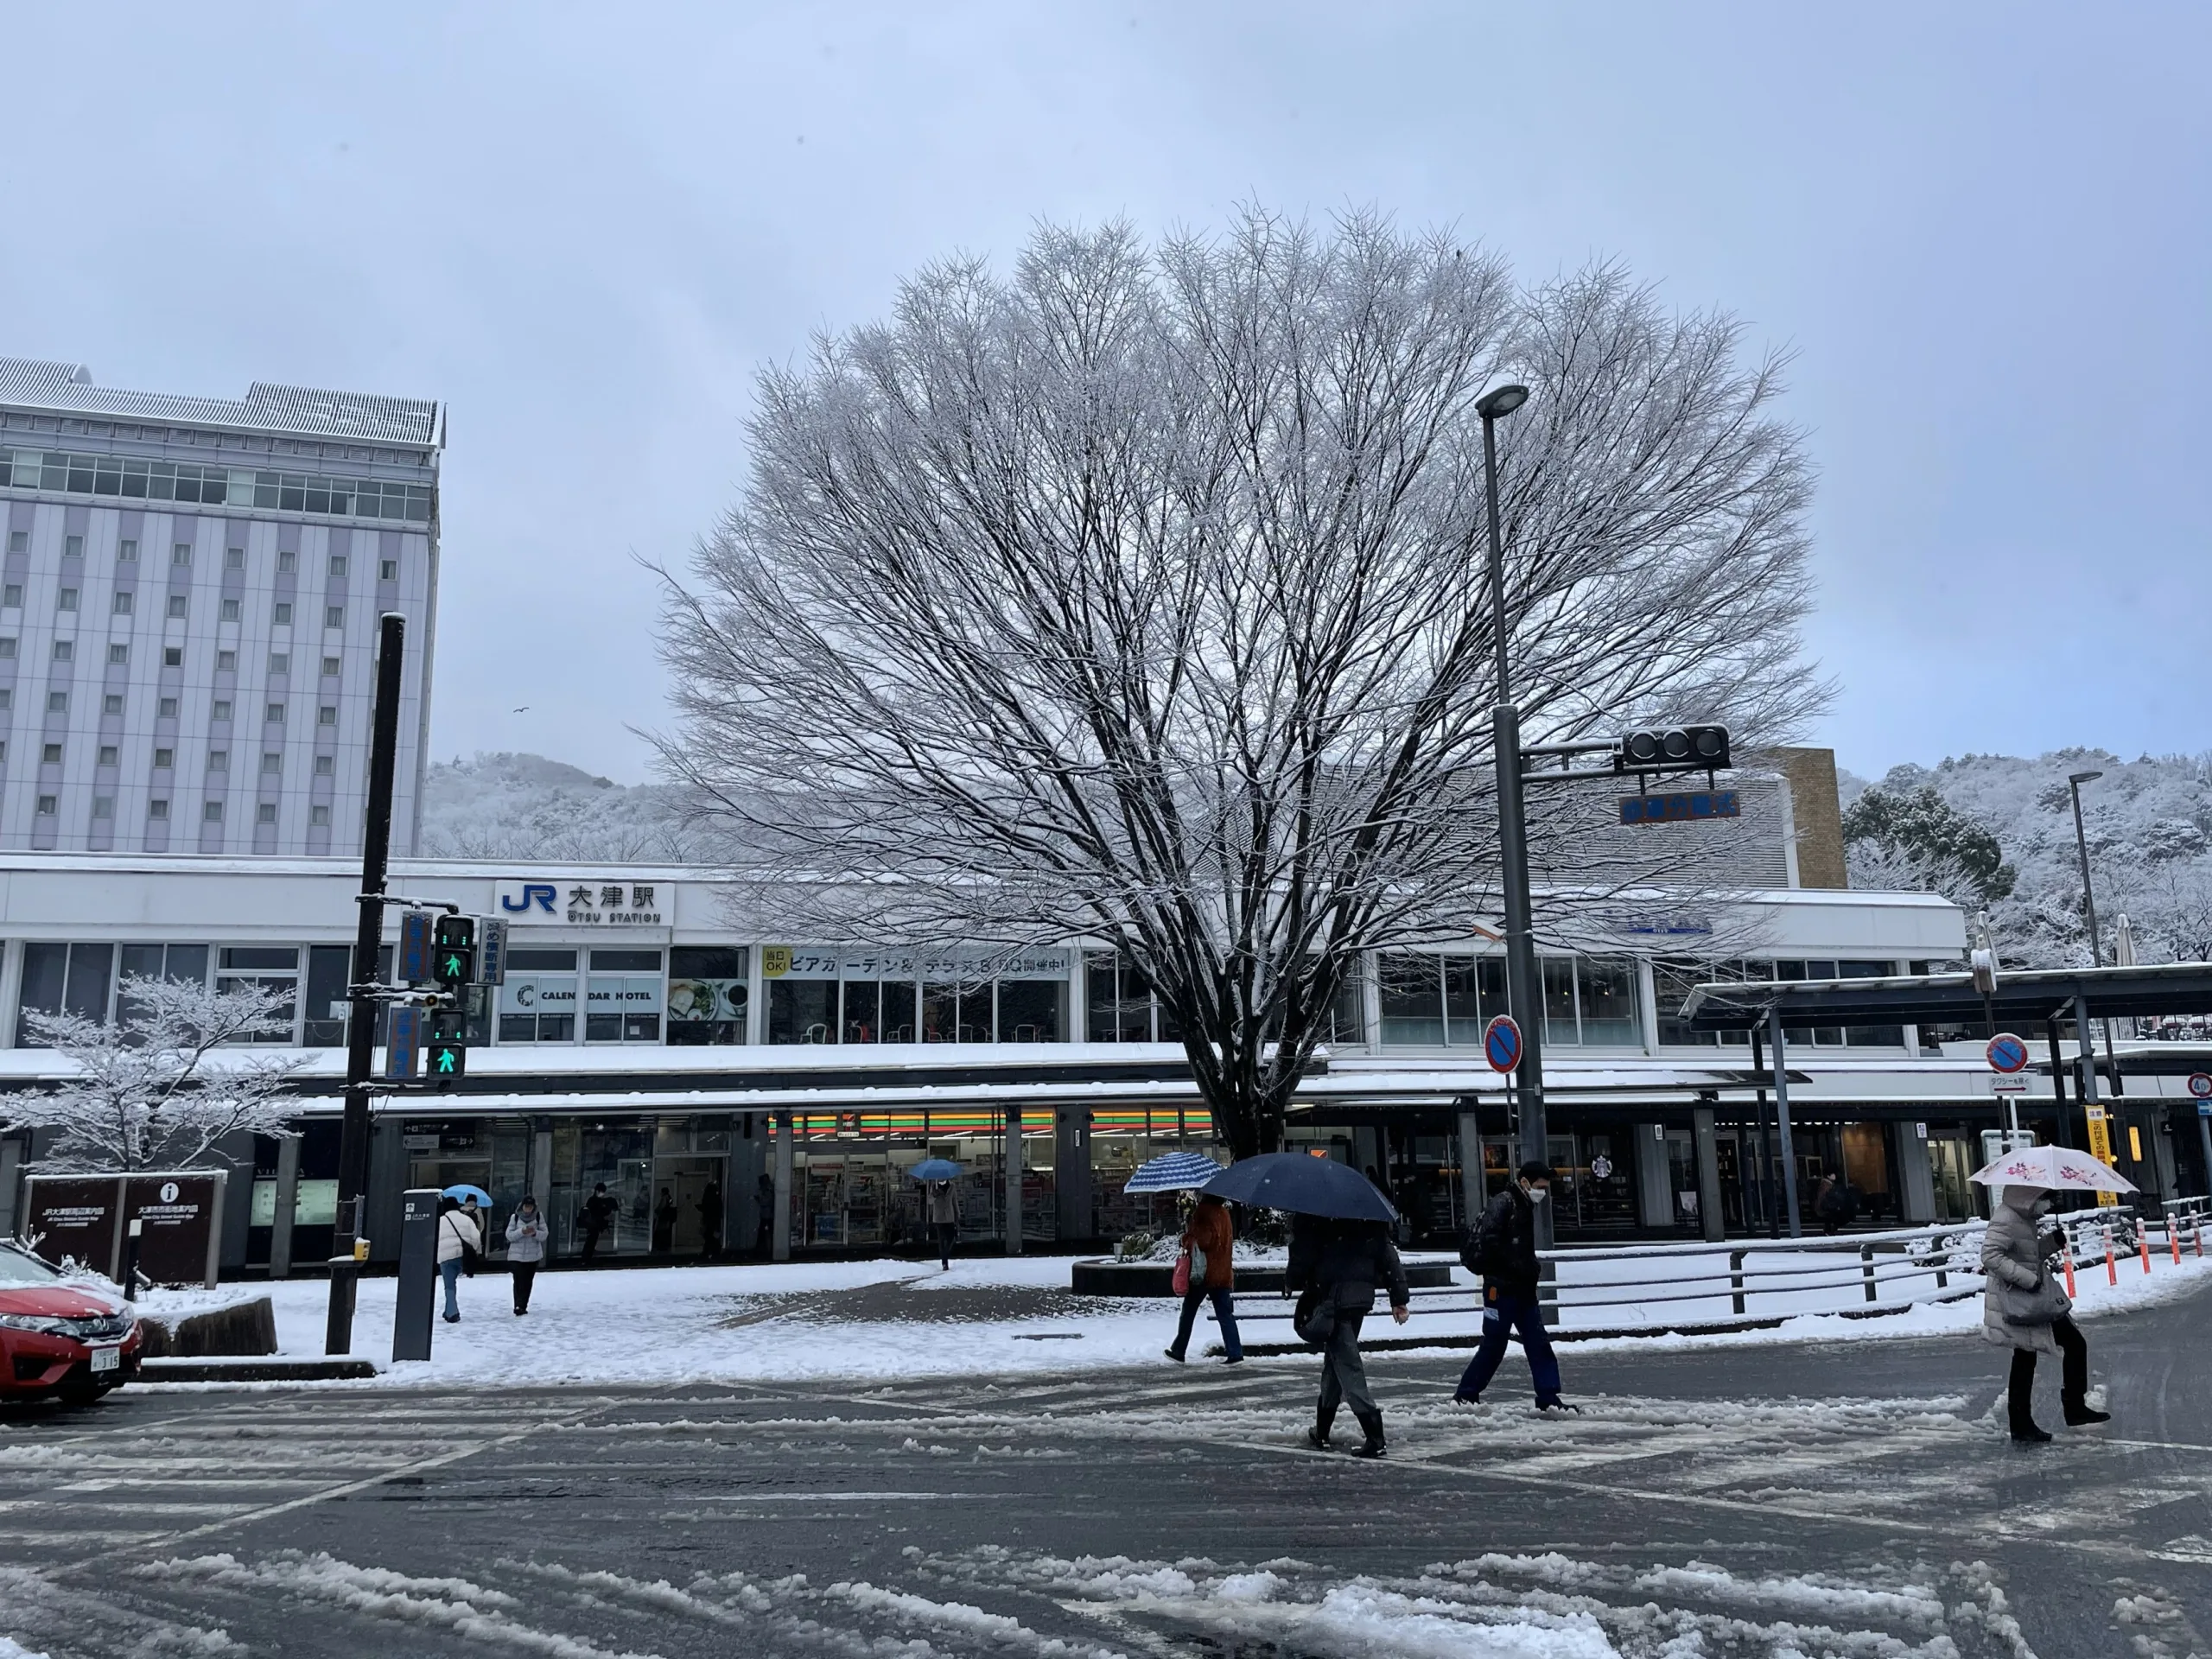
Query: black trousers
[947, 1232]
[2073, 1374]
[524, 1274]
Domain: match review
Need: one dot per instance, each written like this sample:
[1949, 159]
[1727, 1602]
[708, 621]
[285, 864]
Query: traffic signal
[445, 1060]
[403, 1054]
[453, 958]
[415, 945]
[1682, 748]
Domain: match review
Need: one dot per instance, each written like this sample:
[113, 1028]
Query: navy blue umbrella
[1303, 1184]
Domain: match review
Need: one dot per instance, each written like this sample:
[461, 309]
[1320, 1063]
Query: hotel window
[19, 541]
[280, 662]
[49, 754]
[112, 704]
[219, 760]
[622, 997]
[283, 615]
[172, 656]
[287, 562]
[118, 653]
[164, 758]
[211, 811]
[230, 610]
[272, 761]
[274, 715]
[220, 710]
[181, 553]
[126, 552]
[66, 599]
[47, 806]
[538, 1004]
[11, 597]
[706, 995]
[326, 714]
[72, 547]
[64, 650]
[226, 661]
[319, 817]
[57, 702]
[325, 765]
[338, 564]
[103, 806]
[330, 665]
[388, 571]
[265, 813]
[177, 606]
[121, 603]
[7, 697]
[234, 558]
[7, 646]
[107, 754]
[334, 616]
[157, 809]
[165, 709]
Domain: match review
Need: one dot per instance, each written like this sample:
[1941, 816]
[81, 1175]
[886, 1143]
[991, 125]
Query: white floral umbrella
[2054, 1167]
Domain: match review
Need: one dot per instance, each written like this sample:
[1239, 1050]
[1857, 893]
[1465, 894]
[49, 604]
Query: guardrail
[1737, 1284]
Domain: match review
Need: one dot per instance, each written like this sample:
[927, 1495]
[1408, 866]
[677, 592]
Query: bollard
[2066, 1257]
[2112, 1267]
[2173, 1239]
[1866, 1268]
[1736, 1276]
[2198, 1228]
[2143, 1238]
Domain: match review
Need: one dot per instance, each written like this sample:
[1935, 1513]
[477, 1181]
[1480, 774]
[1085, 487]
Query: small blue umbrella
[463, 1189]
[1176, 1172]
[1303, 1184]
[936, 1169]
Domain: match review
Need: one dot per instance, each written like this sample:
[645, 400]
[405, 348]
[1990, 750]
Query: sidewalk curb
[260, 1369]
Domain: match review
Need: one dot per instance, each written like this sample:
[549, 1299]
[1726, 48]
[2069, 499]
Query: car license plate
[106, 1359]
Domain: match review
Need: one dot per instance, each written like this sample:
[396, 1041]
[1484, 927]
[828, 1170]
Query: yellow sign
[775, 961]
[2100, 1144]
[2135, 1143]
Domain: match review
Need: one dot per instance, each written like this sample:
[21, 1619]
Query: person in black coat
[599, 1212]
[1336, 1266]
[711, 1220]
[1503, 1250]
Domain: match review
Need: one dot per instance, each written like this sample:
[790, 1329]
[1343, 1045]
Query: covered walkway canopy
[2026, 997]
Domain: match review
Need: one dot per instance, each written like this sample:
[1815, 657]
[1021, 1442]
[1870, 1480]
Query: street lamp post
[1524, 988]
[2074, 782]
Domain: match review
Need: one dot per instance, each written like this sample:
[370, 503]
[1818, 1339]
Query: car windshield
[19, 1267]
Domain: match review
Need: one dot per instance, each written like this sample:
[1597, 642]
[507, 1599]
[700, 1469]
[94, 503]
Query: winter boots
[2078, 1414]
[1317, 1436]
[1375, 1445]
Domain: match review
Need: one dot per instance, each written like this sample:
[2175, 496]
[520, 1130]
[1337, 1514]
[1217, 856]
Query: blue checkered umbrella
[1178, 1172]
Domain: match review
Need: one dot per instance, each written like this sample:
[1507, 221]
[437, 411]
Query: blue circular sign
[2007, 1054]
[1502, 1043]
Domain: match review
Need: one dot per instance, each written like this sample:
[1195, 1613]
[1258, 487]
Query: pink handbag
[1182, 1281]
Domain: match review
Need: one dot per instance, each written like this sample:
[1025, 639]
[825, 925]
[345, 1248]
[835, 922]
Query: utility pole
[348, 1245]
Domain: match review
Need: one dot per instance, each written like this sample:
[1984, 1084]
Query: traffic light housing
[1680, 748]
[445, 1059]
[452, 960]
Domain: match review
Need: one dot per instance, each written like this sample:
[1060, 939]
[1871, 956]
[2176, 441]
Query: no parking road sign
[1502, 1044]
[2008, 1057]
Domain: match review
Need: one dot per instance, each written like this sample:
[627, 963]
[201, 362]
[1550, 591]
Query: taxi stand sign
[2008, 1059]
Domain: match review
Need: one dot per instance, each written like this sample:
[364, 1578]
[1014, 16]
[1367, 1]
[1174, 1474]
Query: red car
[59, 1338]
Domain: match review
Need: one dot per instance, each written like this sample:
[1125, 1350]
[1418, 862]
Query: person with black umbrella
[1336, 1266]
[1503, 1250]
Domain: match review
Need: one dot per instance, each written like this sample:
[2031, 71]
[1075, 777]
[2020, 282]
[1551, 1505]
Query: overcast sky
[1983, 231]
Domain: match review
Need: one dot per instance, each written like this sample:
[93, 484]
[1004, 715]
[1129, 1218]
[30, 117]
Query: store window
[623, 997]
[63, 978]
[185, 963]
[271, 967]
[708, 994]
[1117, 1000]
[1591, 1001]
[1032, 1010]
[538, 1004]
[1425, 1000]
[328, 1005]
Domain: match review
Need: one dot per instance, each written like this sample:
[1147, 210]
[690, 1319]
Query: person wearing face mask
[1503, 1250]
[2023, 1309]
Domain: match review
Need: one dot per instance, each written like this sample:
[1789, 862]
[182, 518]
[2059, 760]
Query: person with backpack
[1210, 1236]
[457, 1238]
[1336, 1266]
[1503, 1251]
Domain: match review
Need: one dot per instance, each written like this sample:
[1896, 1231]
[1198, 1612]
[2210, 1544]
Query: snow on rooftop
[303, 410]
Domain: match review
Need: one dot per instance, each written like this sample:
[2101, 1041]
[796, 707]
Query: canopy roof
[2023, 999]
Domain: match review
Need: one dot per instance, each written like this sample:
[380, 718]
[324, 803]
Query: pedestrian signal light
[445, 1062]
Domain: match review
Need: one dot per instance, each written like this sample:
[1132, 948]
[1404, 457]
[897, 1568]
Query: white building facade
[188, 612]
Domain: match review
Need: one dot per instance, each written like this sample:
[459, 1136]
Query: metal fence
[1652, 1288]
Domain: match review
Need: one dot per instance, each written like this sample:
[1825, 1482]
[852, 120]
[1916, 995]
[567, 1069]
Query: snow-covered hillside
[2149, 826]
[524, 806]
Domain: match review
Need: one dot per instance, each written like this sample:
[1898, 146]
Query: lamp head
[1501, 400]
[2080, 778]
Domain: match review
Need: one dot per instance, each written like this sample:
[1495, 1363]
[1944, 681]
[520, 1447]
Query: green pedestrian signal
[455, 966]
[445, 1059]
[448, 1062]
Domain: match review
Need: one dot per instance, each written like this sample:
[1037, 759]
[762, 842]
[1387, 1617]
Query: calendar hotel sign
[575, 902]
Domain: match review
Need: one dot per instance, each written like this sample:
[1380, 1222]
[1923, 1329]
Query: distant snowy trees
[1139, 594]
[1914, 840]
[524, 806]
[155, 1089]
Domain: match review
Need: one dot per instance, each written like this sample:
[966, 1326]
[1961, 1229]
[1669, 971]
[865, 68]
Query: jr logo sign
[597, 902]
[520, 898]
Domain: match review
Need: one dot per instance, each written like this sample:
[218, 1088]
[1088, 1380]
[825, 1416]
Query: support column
[2203, 1142]
[538, 1183]
[780, 1237]
[1917, 1204]
[1782, 1121]
[1654, 1187]
[1012, 1140]
[1473, 1198]
[1712, 1222]
[1071, 1188]
[288, 1205]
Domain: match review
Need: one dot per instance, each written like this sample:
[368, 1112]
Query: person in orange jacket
[1210, 1238]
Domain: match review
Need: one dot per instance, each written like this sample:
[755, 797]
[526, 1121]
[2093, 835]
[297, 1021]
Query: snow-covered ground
[802, 1321]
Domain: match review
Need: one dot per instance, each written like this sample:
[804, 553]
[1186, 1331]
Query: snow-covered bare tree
[154, 1090]
[1139, 597]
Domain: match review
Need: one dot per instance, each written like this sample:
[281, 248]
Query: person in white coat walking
[527, 1233]
[457, 1236]
[2023, 1309]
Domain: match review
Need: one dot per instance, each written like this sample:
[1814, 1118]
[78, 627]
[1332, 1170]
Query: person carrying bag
[1206, 1269]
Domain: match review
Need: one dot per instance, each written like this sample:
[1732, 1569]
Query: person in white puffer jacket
[457, 1236]
[527, 1233]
